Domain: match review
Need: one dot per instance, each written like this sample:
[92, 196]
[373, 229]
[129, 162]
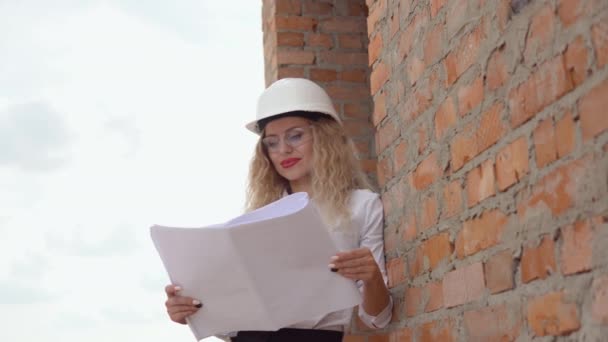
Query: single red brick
[400, 155]
[396, 272]
[385, 135]
[342, 25]
[445, 117]
[428, 215]
[499, 272]
[295, 23]
[417, 102]
[409, 228]
[463, 285]
[413, 301]
[422, 137]
[512, 163]
[436, 331]
[497, 74]
[576, 60]
[313, 7]
[544, 143]
[290, 72]
[473, 139]
[599, 35]
[379, 108]
[551, 314]
[288, 7]
[433, 43]
[394, 23]
[436, 6]
[375, 48]
[599, 307]
[343, 58]
[376, 13]
[538, 262]
[411, 33]
[295, 57]
[541, 33]
[565, 135]
[592, 111]
[401, 335]
[458, 14]
[290, 39]
[464, 55]
[349, 41]
[452, 199]
[354, 75]
[556, 190]
[544, 86]
[576, 251]
[570, 11]
[354, 338]
[491, 128]
[470, 96]
[323, 75]
[356, 110]
[319, 40]
[378, 77]
[339, 93]
[496, 323]
[480, 183]
[414, 68]
[480, 233]
[434, 291]
[426, 173]
[385, 170]
[430, 253]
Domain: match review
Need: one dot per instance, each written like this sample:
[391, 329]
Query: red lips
[287, 163]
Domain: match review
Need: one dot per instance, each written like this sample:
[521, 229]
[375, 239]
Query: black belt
[289, 335]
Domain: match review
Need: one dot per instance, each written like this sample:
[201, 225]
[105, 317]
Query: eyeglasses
[293, 137]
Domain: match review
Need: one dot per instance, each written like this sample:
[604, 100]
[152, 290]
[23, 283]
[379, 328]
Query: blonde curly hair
[336, 172]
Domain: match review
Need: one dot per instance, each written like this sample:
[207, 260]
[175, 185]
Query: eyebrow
[287, 130]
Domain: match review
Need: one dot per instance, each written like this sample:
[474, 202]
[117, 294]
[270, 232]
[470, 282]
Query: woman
[303, 147]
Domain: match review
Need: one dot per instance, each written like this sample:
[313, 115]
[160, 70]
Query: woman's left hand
[356, 264]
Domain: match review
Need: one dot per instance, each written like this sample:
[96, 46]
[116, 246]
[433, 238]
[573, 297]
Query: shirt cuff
[379, 321]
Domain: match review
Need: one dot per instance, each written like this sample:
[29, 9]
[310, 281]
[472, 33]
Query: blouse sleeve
[372, 237]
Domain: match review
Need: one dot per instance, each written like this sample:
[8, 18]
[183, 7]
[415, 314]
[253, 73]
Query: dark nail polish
[333, 269]
[199, 305]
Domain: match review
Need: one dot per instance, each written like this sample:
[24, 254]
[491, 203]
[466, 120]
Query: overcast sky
[115, 115]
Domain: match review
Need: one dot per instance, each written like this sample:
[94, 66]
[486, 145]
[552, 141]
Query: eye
[294, 137]
[270, 143]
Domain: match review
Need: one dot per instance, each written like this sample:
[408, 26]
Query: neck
[301, 185]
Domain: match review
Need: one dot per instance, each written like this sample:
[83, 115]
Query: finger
[180, 300]
[172, 290]
[181, 308]
[361, 269]
[351, 254]
[180, 316]
[363, 261]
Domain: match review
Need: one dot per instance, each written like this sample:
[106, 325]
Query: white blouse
[366, 231]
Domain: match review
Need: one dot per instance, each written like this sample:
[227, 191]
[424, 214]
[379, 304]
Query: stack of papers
[264, 270]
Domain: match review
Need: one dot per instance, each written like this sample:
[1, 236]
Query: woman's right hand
[180, 307]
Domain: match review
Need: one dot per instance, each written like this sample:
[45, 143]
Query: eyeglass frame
[284, 139]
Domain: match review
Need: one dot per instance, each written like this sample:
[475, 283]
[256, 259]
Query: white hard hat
[290, 95]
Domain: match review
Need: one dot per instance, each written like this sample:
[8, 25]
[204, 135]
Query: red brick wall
[491, 134]
[493, 159]
[325, 41]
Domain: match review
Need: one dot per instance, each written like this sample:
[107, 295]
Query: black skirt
[289, 335]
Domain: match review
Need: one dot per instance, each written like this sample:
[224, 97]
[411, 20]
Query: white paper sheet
[264, 270]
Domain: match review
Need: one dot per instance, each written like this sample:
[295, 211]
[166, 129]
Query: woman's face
[288, 141]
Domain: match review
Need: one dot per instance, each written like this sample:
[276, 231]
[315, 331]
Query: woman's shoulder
[364, 197]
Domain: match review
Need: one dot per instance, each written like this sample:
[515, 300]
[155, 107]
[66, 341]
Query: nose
[284, 147]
